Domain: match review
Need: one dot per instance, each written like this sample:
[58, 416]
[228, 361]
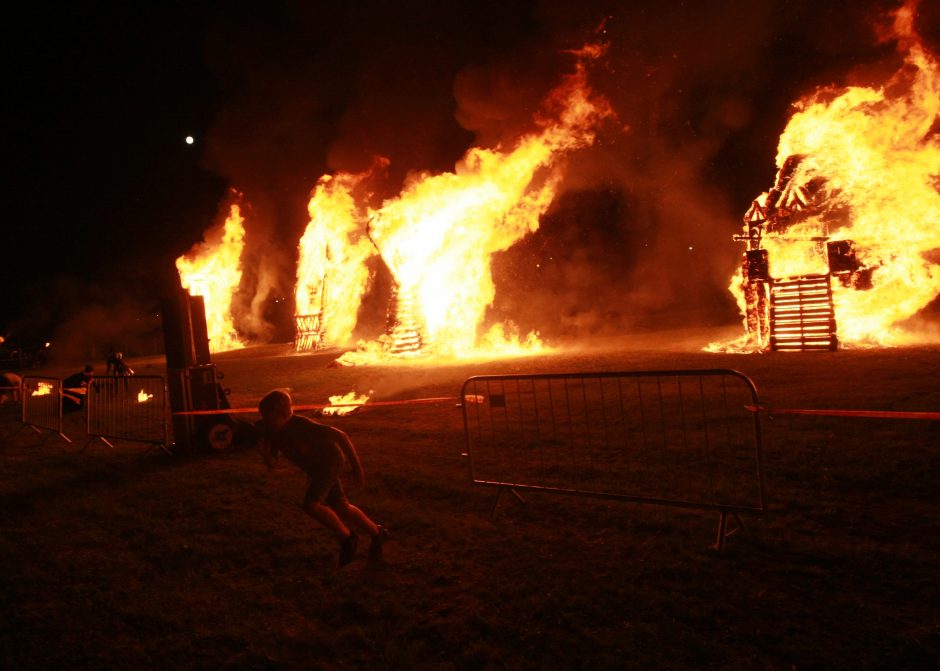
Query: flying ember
[212, 270]
[439, 235]
[844, 247]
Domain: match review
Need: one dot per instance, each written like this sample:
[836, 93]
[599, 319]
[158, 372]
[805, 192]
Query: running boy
[319, 451]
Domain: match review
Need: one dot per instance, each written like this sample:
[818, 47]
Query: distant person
[10, 386]
[117, 365]
[75, 388]
[320, 451]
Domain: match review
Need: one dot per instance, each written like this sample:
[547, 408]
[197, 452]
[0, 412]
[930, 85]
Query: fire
[439, 235]
[857, 180]
[332, 274]
[345, 403]
[212, 270]
[143, 397]
[42, 389]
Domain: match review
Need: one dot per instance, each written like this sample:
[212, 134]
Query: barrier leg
[723, 530]
[93, 439]
[162, 446]
[499, 491]
[722, 520]
[50, 433]
[22, 426]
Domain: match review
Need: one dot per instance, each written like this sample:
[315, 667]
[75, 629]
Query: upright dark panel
[177, 331]
[200, 332]
[187, 350]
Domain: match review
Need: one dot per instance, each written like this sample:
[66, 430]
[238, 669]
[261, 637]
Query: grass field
[116, 559]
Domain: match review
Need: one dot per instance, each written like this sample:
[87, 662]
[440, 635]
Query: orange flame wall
[332, 274]
[878, 154]
[212, 270]
[873, 148]
[438, 236]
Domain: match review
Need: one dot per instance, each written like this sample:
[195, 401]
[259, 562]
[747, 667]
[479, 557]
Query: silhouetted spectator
[321, 452]
[75, 388]
[117, 365]
[10, 385]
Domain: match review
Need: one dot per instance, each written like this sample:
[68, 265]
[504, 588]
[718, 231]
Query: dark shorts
[323, 485]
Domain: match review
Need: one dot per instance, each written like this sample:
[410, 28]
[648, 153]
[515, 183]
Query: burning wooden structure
[794, 311]
[308, 334]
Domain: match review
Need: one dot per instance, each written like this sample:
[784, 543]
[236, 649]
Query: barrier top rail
[690, 372]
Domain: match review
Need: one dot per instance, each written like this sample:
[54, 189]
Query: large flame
[332, 274]
[212, 270]
[876, 152]
[438, 236]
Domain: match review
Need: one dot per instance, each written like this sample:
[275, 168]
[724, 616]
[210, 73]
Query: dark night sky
[102, 192]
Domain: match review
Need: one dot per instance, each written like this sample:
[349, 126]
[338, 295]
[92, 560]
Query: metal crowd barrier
[684, 438]
[132, 408]
[42, 405]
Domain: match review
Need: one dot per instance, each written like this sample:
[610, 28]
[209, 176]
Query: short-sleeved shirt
[309, 445]
[313, 448]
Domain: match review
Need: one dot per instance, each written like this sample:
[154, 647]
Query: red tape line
[880, 414]
[320, 406]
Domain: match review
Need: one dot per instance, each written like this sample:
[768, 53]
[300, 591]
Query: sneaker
[347, 549]
[375, 548]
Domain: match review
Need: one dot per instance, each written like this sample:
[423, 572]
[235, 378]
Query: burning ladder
[801, 314]
[408, 338]
[308, 334]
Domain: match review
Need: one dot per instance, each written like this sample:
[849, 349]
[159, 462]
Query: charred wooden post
[406, 331]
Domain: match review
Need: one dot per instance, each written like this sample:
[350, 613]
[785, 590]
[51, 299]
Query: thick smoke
[90, 320]
[641, 235]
